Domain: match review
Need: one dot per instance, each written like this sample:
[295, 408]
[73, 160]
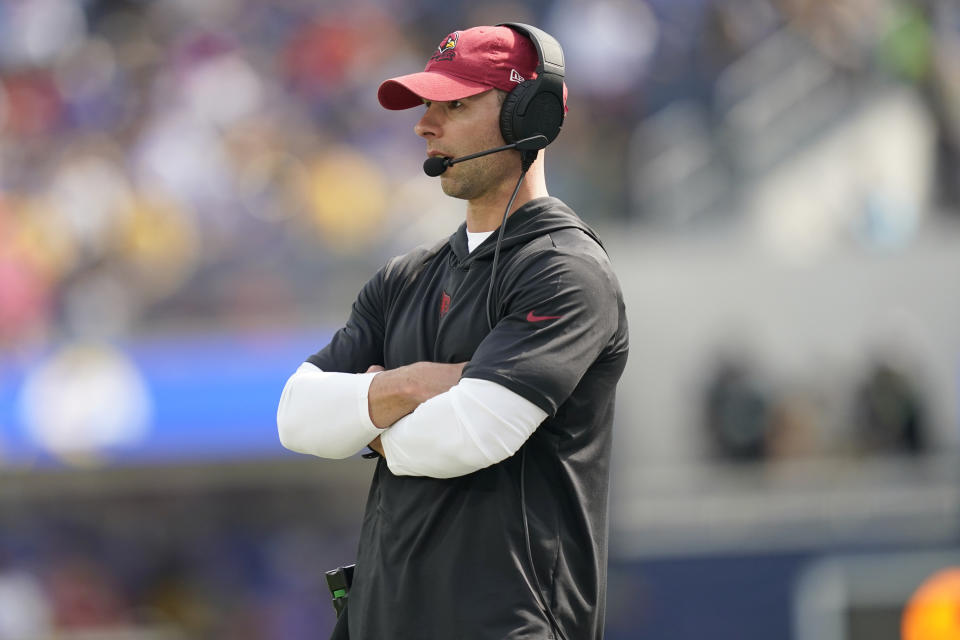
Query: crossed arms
[395, 393]
[423, 418]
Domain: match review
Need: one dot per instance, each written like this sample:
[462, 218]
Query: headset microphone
[436, 165]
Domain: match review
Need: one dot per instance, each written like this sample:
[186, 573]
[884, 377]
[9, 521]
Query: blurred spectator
[599, 32]
[890, 412]
[920, 45]
[25, 287]
[83, 595]
[737, 410]
[795, 426]
[842, 31]
[25, 612]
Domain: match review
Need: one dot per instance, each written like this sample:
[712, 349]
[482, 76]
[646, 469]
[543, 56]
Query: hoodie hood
[534, 219]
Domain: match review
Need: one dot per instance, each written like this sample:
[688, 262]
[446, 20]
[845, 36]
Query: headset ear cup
[544, 114]
[511, 124]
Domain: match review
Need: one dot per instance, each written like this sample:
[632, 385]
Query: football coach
[482, 371]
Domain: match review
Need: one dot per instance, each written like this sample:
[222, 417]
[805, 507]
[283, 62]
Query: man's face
[461, 127]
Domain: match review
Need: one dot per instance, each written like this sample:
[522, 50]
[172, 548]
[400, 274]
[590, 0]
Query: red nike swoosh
[534, 318]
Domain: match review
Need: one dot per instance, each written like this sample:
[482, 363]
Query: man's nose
[429, 125]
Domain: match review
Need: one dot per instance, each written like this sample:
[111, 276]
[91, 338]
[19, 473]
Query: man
[487, 514]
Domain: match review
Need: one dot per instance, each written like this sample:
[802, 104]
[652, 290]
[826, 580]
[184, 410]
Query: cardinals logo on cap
[446, 49]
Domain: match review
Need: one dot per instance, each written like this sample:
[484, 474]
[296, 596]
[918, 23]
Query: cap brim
[408, 91]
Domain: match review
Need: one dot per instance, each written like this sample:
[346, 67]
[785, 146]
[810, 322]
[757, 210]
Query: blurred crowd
[173, 161]
[142, 565]
[747, 417]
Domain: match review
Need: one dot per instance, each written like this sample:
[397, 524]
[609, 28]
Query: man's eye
[455, 104]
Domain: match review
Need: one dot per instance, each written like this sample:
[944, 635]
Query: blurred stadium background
[191, 193]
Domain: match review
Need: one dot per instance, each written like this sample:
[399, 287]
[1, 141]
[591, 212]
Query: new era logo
[515, 77]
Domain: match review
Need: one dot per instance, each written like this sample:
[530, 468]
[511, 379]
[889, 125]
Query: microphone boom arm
[435, 166]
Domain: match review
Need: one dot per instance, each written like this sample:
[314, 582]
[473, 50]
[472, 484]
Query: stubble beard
[475, 179]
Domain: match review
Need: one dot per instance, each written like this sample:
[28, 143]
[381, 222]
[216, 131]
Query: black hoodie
[446, 558]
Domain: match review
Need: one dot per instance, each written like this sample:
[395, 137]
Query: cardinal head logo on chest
[444, 304]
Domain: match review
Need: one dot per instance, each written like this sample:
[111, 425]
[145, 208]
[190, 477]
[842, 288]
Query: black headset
[535, 107]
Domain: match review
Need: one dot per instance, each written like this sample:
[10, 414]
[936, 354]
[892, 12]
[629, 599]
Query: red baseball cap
[465, 64]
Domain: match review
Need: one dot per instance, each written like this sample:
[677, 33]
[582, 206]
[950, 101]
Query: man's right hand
[397, 392]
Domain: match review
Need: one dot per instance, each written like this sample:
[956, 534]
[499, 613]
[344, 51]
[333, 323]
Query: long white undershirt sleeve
[473, 425]
[324, 413]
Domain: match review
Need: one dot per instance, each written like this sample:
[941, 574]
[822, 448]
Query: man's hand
[397, 392]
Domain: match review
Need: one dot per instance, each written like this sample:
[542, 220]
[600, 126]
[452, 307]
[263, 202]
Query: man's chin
[452, 187]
